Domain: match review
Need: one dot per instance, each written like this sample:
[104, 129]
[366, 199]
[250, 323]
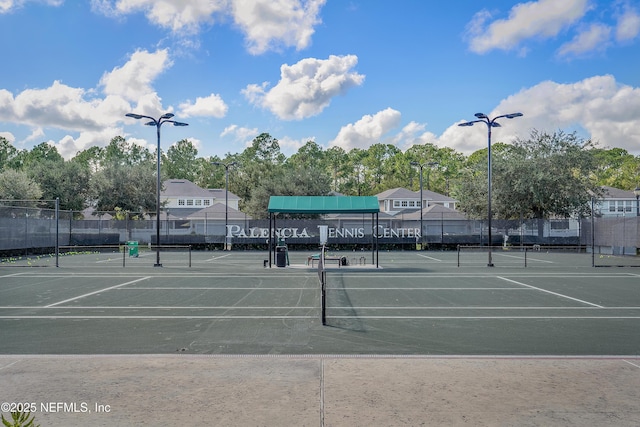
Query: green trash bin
[133, 249]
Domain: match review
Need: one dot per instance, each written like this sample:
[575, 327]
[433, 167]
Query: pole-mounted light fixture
[165, 118]
[491, 123]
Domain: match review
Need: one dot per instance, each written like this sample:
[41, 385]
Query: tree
[44, 151]
[544, 176]
[337, 163]
[376, 164]
[7, 153]
[617, 168]
[92, 157]
[260, 162]
[301, 181]
[354, 183]
[17, 185]
[130, 188]
[180, 161]
[126, 179]
[123, 152]
[66, 180]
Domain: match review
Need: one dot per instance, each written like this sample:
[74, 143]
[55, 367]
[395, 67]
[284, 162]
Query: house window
[612, 206]
[198, 202]
[181, 202]
[412, 204]
[396, 203]
[405, 203]
[560, 225]
[206, 202]
[189, 202]
[628, 206]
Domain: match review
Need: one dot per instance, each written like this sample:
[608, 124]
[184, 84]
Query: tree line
[545, 175]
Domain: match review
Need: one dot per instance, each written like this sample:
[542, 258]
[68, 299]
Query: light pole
[421, 166]
[490, 123]
[226, 196]
[165, 118]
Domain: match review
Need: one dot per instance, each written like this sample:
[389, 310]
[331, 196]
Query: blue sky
[346, 73]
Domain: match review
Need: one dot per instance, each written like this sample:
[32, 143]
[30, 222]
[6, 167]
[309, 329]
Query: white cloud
[413, 134]
[8, 136]
[7, 6]
[179, 16]
[92, 117]
[628, 26]
[307, 87]
[595, 38]
[240, 134]
[267, 24]
[210, 106]
[290, 146]
[535, 19]
[367, 131]
[68, 146]
[133, 80]
[270, 23]
[603, 108]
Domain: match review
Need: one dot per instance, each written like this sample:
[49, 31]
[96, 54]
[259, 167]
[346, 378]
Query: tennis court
[417, 303]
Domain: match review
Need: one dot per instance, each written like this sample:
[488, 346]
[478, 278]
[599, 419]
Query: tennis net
[322, 278]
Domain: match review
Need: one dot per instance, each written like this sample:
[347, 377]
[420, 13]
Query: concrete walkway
[157, 390]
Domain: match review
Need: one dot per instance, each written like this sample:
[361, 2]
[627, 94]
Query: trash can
[281, 256]
[133, 248]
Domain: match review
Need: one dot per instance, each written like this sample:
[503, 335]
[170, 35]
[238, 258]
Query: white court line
[490, 317]
[550, 292]
[633, 364]
[96, 292]
[215, 258]
[13, 363]
[522, 258]
[484, 308]
[209, 288]
[12, 275]
[431, 258]
[159, 317]
[192, 307]
[162, 307]
[351, 288]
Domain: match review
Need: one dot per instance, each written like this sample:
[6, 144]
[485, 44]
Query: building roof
[183, 187]
[616, 193]
[434, 211]
[323, 204]
[219, 194]
[403, 193]
[217, 211]
[398, 193]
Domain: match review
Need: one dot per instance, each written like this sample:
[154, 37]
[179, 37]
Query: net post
[322, 277]
[189, 256]
[124, 255]
[324, 298]
[58, 231]
[525, 256]
[458, 255]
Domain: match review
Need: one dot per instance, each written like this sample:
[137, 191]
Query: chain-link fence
[32, 229]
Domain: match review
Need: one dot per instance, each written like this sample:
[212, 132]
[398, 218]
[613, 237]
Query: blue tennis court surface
[422, 303]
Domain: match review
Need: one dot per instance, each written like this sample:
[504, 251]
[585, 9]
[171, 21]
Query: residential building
[616, 202]
[182, 198]
[401, 200]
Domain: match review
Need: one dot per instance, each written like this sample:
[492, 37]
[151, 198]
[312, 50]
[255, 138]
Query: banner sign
[239, 232]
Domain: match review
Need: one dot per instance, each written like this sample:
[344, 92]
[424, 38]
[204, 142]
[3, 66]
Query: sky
[347, 73]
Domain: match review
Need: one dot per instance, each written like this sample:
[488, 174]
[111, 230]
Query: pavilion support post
[377, 248]
[269, 239]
